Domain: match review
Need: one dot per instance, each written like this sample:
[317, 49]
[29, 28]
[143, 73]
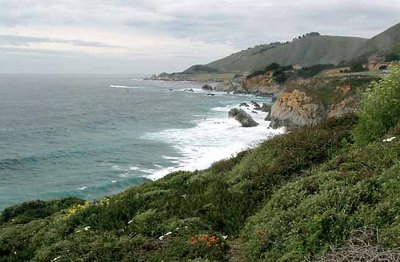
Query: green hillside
[317, 193]
[305, 51]
[311, 49]
[385, 43]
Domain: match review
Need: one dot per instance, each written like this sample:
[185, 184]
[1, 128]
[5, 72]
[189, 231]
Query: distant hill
[306, 51]
[385, 43]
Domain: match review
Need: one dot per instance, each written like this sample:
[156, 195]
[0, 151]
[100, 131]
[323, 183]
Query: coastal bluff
[296, 109]
[313, 101]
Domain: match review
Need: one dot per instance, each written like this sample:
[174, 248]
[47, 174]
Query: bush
[311, 71]
[28, 211]
[380, 108]
[278, 72]
[305, 218]
[392, 57]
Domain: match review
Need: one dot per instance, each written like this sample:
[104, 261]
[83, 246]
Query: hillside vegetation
[316, 193]
[307, 51]
[312, 49]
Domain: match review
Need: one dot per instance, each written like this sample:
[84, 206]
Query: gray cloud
[16, 40]
[211, 23]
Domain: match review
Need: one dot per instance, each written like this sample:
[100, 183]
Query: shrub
[380, 108]
[307, 217]
[28, 211]
[311, 71]
[392, 57]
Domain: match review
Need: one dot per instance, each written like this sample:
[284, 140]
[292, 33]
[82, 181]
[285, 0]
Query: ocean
[93, 135]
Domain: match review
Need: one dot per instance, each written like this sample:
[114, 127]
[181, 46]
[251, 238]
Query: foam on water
[212, 138]
[124, 87]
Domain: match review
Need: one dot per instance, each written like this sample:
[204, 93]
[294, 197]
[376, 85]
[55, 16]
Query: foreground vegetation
[306, 195]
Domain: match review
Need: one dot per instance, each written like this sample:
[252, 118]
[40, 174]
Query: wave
[124, 87]
[26, 161]
[214, 138]
[90, 192]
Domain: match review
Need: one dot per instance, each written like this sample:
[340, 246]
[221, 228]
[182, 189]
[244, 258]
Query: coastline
[210, 136]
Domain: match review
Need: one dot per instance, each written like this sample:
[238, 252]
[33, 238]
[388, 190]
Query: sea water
[92, 135]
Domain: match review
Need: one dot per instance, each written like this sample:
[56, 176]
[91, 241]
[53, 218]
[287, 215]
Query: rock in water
[256, 105]
[266, 108]
[207, 87]
[242, 117]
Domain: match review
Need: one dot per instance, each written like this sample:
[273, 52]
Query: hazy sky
[135, 36]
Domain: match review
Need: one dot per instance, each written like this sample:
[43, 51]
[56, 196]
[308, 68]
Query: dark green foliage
[28, 211]
[280, 76]
[380, 108]
[311, 71]
[358, 68]
[200, 69]
[273, 66]
[392, 57]
[355, 68]
[226, 165]
[306, 217]
[278, 72]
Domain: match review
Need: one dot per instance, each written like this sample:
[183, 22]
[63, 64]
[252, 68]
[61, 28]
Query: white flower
[130, 221]
[56, 258]
[389, 139]
[163, 236]
[225, 237]
[86, 228]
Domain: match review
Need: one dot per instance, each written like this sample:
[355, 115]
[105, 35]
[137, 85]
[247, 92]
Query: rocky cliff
[296, 108]
[312, 101]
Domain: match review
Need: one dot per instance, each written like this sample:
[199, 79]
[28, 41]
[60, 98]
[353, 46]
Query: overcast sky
[151, 36]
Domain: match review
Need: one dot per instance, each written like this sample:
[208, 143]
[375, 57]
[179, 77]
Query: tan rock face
[297, 109]
[348, 105]
[263, 83]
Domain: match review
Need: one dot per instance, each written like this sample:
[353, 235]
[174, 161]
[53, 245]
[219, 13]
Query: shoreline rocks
[296, 109]
[242, 117]
[207, 87]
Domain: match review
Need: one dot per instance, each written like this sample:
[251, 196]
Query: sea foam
[212, 138]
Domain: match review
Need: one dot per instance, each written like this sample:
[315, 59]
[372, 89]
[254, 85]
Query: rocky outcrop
[262, 84]
[207, 87]
[267, 108]
[346, 106]
[229, 85]
[295, 109]
[256, 105]
[242, 117]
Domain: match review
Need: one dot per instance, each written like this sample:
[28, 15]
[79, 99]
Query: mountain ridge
[307, 50]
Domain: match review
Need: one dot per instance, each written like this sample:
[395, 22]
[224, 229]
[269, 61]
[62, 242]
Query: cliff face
[311, 101]
[262, 84]
[296, 108]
